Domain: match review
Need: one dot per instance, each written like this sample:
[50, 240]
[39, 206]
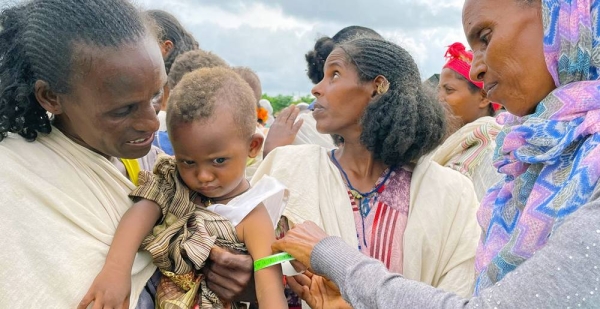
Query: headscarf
[551, 158]
[459, 60]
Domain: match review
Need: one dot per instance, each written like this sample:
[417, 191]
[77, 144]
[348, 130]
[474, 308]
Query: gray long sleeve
[563, 274]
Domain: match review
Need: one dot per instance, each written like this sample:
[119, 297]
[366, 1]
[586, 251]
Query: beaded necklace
[208, 201]
[363, 199]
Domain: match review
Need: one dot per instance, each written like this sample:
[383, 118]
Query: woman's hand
[283, 130]
[300, 241]
[111, 289]
[317, 291]
[228, 274]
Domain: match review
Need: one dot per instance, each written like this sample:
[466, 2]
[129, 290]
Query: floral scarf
[551, 159]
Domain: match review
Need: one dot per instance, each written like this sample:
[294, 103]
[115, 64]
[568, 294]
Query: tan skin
[211, 159]
[467, 105]
[284, 129]
[165, 49]
[341, 102]
[114, 88]
[507, 43]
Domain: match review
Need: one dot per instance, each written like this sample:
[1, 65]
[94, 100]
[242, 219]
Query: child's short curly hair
[252, 79]
[191, 61]
[198, 93]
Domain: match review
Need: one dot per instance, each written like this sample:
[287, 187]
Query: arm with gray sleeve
[565, 273]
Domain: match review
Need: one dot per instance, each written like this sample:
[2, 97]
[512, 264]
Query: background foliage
[280, 101]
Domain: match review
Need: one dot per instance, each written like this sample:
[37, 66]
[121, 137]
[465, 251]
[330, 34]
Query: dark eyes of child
[188, 162]
[219, 160]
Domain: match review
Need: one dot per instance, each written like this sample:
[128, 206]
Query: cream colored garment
[59, 210]
[308, 133]
[470, 151]
[441, 233]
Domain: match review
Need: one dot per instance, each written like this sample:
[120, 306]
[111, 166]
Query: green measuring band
[272, 260]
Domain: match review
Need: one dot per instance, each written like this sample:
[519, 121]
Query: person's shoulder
[441, 176]
[297, 151]
[14, 145]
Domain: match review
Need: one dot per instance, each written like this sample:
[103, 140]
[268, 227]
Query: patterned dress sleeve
[164, 187]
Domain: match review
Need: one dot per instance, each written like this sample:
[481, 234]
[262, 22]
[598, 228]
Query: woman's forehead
[119, 69]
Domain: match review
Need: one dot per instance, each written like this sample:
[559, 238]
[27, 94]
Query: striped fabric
[381, 236]
[470, 150]
[181, 242]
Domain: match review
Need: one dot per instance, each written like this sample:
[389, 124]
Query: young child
[199, 199]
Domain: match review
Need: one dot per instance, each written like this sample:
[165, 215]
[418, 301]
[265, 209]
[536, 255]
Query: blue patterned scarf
[551, 158]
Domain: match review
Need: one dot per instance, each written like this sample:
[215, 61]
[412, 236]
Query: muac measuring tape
[272, 260]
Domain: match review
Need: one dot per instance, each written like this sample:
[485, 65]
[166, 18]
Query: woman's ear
[484, 102]
[256, 145]
[47, 98]
[381, 85]
[166, 47]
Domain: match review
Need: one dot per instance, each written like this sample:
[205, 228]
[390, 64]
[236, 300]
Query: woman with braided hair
[378, 191]
[540, 244]
[96, 67]
[293, 128]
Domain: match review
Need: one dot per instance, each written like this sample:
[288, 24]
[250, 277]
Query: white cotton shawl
[441, 234]
[308, 133]
[59, 209]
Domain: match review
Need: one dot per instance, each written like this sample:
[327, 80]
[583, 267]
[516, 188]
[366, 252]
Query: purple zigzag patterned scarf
[551, 158]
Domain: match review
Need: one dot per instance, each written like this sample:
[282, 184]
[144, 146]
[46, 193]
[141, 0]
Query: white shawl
[441, 233]
[59, 210]
[308, 133]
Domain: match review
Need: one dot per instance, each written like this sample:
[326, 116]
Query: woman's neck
[358, 163]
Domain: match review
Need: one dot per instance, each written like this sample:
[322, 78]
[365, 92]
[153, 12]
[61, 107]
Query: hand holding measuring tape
[282, 258]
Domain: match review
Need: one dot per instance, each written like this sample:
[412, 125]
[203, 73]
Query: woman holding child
[97, 67]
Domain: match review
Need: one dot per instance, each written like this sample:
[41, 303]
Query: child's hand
[110, 289]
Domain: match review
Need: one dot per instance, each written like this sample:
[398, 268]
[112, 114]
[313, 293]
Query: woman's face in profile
[464, 103]
[341, 98]
[507, 41]
[111, 105]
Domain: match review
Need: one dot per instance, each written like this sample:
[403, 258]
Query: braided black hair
[404, 123]
[173, 31]
[315, 58]
[37, 42]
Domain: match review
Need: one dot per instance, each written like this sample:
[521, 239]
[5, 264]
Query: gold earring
[383, 87]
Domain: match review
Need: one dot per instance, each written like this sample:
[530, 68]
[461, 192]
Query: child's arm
[256, 231]
[112, 286]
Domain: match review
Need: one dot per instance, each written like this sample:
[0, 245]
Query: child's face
[211, 156]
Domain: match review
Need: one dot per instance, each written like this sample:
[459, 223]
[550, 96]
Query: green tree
[280, 101]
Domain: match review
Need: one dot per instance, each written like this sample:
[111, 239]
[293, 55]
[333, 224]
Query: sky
[272, 37]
